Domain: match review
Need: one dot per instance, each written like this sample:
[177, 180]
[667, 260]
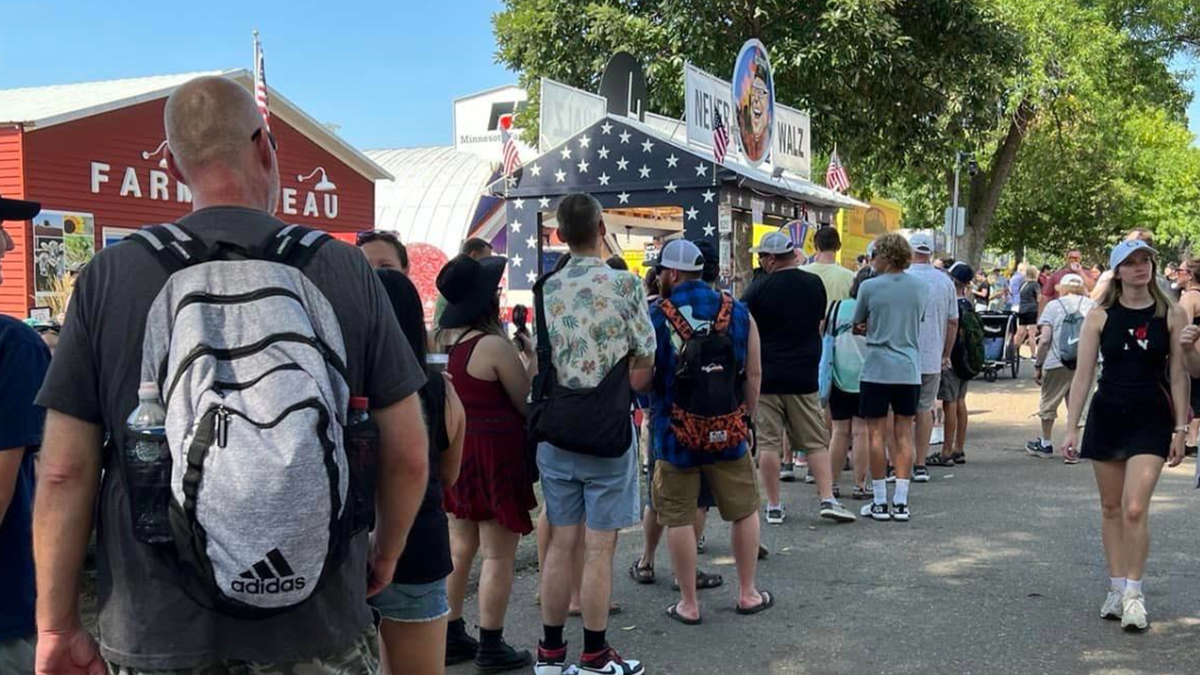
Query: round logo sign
[754, 101]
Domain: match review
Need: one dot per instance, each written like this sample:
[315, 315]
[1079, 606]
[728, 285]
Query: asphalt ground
[1001, 570]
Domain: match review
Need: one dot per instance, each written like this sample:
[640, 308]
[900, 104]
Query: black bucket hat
[468, 286]
[18, 209]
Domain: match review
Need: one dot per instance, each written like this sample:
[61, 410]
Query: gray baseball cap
[681, 255]
[774, 243]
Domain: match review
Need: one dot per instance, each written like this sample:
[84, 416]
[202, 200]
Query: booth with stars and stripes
[654, 185]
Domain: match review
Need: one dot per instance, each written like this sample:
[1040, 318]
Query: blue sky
[385, 71]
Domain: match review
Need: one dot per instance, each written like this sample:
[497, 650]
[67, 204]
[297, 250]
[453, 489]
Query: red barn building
[92, 154]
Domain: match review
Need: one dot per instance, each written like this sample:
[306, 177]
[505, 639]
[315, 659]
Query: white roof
[433, 196]
[36, 108]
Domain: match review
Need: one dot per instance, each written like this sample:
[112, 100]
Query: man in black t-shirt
[789, 304]
[220, 147]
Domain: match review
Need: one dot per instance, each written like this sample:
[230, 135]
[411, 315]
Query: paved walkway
[1000, 571]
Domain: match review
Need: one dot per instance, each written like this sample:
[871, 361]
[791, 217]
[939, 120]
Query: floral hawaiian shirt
[595, 316]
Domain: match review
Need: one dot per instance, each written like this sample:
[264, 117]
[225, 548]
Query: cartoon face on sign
[754, 97]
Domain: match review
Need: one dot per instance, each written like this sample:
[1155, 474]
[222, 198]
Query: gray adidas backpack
[250, 360]
[1066, 343]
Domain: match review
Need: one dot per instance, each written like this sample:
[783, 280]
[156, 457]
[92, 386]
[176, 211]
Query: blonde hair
[894, 248]
[1112, 294]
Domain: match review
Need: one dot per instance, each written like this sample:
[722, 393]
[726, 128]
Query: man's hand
[946, 364]
[1178, 441]
[380, 570]
[1037, 375]
[1189, 335]
[69, 652]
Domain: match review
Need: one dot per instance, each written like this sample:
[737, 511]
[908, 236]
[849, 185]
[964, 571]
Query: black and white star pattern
[624, 166]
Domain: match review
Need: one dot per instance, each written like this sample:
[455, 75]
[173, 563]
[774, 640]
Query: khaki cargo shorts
[798, 419]
[362, 658]
[734, 484]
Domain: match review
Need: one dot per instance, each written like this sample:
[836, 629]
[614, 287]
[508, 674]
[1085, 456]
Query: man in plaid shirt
[730, 472]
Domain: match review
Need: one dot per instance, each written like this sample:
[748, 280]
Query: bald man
[220, 148]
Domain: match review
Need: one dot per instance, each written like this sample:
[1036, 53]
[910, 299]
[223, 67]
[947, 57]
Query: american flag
[260, 83]
[511, 159]
[720, 138]
[835, 176]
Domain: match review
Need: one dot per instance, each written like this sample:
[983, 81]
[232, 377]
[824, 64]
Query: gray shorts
[929, 392]
[16, 655]
[413, 603]
[952, 388]
[600, 491]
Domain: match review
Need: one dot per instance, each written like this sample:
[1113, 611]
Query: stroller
[999, 328]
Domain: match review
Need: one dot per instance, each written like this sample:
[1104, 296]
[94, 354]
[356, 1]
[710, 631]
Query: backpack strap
[676, 319]
[831, 318]
[172, 245]
[724, 314]
[294, 245]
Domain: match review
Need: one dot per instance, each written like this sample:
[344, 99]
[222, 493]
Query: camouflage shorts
[360, 659]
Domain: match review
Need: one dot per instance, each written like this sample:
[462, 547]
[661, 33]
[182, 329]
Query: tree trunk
[987, 186]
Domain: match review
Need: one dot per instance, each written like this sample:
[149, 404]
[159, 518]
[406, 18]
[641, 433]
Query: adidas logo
[272, 575]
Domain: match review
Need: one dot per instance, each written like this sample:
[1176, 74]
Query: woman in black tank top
[1138, 417]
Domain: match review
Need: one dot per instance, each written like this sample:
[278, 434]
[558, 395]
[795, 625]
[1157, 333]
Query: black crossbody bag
[590, 421]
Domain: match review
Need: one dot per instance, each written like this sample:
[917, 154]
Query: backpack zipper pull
[222, 426]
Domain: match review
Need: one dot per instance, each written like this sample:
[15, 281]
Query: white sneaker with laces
[1133, 612]
[1111, 609]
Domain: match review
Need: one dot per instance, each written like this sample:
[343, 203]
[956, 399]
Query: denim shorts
[601, 491]
[413, 603]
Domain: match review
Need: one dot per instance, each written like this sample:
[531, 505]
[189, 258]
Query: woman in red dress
[490, 503]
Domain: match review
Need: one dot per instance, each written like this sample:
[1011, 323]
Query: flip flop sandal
[704, 581]
[959, 458]
[860, 494]
[936, 459]
[768, 601]
[673, 612]
[643, 574]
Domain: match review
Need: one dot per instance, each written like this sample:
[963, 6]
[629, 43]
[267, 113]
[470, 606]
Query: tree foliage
[1069, 106]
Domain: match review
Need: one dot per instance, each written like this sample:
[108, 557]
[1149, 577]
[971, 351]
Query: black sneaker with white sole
[1035, 449]
[920, 474]
[900, 512]
[875, 512]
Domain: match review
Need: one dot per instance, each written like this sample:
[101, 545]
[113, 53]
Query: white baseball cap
[1125, 249]
[681, 255]
[921, 243]
[1071, 280]
[774, 243]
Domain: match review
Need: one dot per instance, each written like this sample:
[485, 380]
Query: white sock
[1117, 583]
[879, 487]
[901, 496]
[771, 506]
[1133, 587]
[1045, 442]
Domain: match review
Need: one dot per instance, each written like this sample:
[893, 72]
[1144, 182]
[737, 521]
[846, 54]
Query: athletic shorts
[1027, 319]
[797, 419]
[734, 484]
[842, 406]
[413, 603]
[929, 391]
[877, 398]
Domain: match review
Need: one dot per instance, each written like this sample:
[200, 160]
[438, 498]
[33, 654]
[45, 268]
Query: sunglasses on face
[270, 137]
[376, 235]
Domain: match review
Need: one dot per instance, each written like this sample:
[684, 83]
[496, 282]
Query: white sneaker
[775, 516]
[1112, 605]
[1133, 612]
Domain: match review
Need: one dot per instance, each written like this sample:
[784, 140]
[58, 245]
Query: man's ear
[173, 166]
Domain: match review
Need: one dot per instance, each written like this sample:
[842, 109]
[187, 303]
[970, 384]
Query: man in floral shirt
[595, 316]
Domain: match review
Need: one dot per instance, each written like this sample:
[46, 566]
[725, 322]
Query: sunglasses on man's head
[375, 235]
[270, 137]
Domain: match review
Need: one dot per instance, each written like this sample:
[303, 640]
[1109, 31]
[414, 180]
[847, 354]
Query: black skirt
[1128, 421]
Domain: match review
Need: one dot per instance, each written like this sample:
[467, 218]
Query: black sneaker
[920, 474]
[501, 658]
[891, 474]
[1035, 449]
[460, 646]
[900, 512]
[875, 512]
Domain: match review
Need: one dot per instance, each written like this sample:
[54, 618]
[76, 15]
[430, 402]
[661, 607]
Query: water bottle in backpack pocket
[147, 467]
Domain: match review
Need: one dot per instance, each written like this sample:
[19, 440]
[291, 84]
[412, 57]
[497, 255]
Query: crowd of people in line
[608, 378]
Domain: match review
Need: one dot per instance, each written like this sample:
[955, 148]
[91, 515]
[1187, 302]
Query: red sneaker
[608, 662]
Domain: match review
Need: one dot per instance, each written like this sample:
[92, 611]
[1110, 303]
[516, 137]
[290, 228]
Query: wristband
[1181, 428]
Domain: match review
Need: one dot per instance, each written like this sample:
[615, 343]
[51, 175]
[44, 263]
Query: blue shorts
[413, 603]
[603, 492]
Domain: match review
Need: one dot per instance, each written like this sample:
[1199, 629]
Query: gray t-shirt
[941, 306]
[146, 621]
[891, 305]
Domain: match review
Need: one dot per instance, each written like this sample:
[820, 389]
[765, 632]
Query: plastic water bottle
[362, 447]
[148, 467]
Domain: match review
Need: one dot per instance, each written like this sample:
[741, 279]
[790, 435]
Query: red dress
[494, 482]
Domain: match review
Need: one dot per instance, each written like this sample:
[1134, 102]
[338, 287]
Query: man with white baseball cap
[1050, 371]
[706, 384]
[788, 304]
[939, 327]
